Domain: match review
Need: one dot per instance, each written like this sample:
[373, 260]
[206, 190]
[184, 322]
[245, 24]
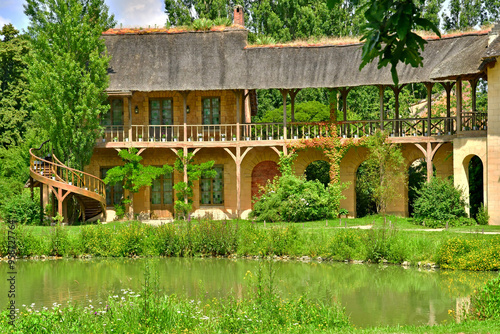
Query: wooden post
[41, 203]
[184, 95]
[293, 94]
[397, 90]
[237, 95]
[284, 93]
[473, 87]
[458, 90]
[238, 181]
[185, 152]
[429, 85]
[129, 118]
[448, 86]
[381, 99]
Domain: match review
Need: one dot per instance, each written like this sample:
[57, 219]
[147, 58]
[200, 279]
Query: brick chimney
[238, 19]
[494, 33]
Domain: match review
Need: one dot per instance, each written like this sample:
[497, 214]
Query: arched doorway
[261, 173]
[318, 170]
[365, 204]
[417, 176]
[476, 190]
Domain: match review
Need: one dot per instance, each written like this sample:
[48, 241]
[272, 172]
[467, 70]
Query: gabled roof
[219, 60]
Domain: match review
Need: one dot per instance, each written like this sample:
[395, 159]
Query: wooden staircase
[63, 181]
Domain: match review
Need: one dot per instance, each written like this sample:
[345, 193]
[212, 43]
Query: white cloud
[133, 13]
[3, 21]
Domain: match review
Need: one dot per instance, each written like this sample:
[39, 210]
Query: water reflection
[371, 294]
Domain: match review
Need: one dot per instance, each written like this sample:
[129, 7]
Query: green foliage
[58, 240]
[318, 170]
[311, 111]
[417, 176]
[203, 24]
[476, 191]
[15, 114]
[68, 73]
[291, 198]
[482, 216]
[265, 40]
[258, 310]
[470, 254]
[365, 204]
[384, 169]
[21, 208]
[133, 174]
[486, 301]
[433, 223]
[185, 163]
[439, 200]
[464, 14]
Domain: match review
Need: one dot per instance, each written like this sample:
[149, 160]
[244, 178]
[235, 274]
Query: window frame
[162, 205]
[212, 188]
[111, 189]
[162, 101]
[203, 98]
[111, 114]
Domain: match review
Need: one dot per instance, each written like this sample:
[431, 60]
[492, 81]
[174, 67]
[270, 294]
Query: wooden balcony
[268, 134]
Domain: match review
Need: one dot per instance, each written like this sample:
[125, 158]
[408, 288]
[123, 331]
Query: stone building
[189, 91]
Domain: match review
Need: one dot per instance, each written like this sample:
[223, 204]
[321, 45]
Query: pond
[371, 294]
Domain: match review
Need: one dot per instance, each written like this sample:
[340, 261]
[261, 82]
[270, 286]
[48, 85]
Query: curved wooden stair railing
[62, 180]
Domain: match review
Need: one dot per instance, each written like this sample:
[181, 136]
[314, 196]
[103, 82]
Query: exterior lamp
[187, 110]
[136, 110]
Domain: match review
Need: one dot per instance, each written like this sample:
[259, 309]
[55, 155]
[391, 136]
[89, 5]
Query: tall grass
[258, 311]
[382, 243]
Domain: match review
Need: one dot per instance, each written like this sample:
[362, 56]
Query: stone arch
[475, 174]
[318, 170]
[348, 167]
[305, 158]
[464, 149]
[263, 172]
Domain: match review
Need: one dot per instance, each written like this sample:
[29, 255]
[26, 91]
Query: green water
[371, 294]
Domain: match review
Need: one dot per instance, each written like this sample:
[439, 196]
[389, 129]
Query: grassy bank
[259, 310]
[389, 242]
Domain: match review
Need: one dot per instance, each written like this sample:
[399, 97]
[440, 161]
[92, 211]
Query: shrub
[202, 24]
[482, 216]
[439, 200]
[486, 301]
[292, 198]
[21, 208]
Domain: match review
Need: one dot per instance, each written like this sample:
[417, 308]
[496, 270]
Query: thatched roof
[220, 60]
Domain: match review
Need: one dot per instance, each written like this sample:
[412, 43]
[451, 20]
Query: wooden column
[293, 94]
[184, 95]
[429, 85]
[237, 95]
[458, 90]
[447, 87]
[429, 153]
[129, 118]
[397, 90]
[344, 91]
[185, 152]
[284, 93]
[41, 203]
[238, 157]
[473, 87]
[381, 99]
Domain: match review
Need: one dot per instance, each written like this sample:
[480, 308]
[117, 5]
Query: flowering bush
[292, 198]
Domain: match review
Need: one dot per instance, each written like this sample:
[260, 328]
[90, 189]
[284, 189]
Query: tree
[133, 174]
[470, 13]
[384, 170]
[68, 73]
[185, 164]
[14, 112]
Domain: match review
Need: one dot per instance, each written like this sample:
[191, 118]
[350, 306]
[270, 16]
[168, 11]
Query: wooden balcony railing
[437, 126]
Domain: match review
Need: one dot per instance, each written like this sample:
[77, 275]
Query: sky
[129, 13]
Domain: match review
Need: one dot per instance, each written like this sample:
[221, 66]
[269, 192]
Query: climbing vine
[333, 146]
